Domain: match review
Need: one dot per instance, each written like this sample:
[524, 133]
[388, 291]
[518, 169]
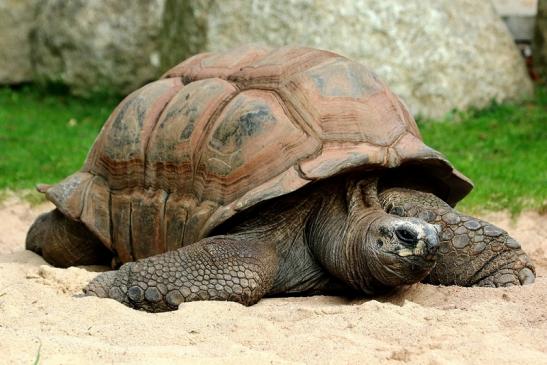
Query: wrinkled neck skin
[283, 223]
[317, 241]
[336, 237]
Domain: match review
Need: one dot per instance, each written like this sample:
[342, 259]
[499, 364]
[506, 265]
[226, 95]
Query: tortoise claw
[526, 276]
[101, 285]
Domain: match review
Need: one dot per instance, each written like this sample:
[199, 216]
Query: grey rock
[437, 54]
[110, 45]
[16, 22]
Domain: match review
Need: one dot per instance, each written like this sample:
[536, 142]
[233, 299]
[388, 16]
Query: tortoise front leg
[216, 268]
[472, 252]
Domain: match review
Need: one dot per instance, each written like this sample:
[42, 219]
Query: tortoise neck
[338, 234]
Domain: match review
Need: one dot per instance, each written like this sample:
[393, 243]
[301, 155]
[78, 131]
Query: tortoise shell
[221, 132]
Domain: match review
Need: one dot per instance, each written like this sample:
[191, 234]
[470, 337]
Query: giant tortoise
[258, 172]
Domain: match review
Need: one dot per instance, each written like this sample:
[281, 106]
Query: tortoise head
[370, 249]
[397, 251]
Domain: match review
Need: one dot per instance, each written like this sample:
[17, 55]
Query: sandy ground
[42, 314]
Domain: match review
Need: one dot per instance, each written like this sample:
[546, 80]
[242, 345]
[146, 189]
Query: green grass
[503, 149]
[44, 136]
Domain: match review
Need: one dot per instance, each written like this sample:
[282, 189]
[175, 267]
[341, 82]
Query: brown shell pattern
[221, 132]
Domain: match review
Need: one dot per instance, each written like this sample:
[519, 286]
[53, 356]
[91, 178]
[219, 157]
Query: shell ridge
[208, 129]
[96, 208]
[86, 192]
[298, 120]
[148, 135]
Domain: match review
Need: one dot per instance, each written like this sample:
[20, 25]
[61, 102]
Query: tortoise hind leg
[63, 242]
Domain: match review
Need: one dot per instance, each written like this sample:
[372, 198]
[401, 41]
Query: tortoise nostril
[407, 236]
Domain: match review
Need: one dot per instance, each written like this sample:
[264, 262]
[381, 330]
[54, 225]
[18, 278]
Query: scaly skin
[216, 268]
[472, 252]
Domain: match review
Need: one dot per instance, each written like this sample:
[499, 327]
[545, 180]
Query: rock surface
[110, 45]
[540, 40]
[16, 21]
[437, 54]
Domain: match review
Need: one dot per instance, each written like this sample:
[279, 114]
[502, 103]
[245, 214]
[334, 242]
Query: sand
[42, 314]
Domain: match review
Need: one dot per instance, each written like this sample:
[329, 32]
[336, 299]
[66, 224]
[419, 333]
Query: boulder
[540, 40]
[16, 21]
[438, 55]
[110, 45]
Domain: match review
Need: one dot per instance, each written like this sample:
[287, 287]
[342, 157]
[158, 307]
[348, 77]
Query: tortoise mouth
[394, 269]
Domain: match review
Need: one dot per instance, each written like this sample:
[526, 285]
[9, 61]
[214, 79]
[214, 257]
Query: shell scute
[175, 142]
[251, 129]
[119, 151]
[147, 222]
[96, 211]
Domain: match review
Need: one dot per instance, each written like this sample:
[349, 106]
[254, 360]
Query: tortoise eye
[407, 236]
